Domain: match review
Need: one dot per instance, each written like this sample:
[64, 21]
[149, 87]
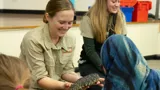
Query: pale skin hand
[67, 85]
[70, 77]
[99, 83]
[73, 77]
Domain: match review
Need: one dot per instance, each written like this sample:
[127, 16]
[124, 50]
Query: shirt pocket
[66, 56]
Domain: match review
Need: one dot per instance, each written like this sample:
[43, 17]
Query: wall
[1, 4]
[25, 4]
[80, 5]
[10, 41]
[145, 36]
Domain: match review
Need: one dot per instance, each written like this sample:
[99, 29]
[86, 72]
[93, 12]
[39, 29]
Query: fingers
[101, 79]
[68, 85]
[84, 88]
[99, 83]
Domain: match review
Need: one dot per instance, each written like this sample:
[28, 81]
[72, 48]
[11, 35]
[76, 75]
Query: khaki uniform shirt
[44, 58]
[86, 29]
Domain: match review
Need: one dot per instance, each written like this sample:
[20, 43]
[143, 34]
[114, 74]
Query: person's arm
[35, 60]
[71, 77]
[89, 47]
[51, 84]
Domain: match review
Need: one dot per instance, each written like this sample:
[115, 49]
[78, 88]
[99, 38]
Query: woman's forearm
[71, 77]
[48, 83]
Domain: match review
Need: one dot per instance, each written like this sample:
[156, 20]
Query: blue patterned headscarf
[126, 67]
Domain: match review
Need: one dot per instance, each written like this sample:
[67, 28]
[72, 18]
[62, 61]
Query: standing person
[48, 50]
[125, 67]
[14, 73]
[102, 20]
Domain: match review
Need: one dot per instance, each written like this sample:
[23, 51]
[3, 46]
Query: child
[14, 73]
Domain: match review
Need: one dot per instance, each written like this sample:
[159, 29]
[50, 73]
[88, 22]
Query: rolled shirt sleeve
[85, 27]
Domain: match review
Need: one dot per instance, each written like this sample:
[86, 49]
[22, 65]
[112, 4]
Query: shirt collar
[48, 42]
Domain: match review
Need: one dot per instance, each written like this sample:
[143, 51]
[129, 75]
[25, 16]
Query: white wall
[145, 36]
[10, 41]
[1, 4]
[25, 4]
[82, 5]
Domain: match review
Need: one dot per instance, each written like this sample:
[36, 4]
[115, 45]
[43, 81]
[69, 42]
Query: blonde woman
[102, 20]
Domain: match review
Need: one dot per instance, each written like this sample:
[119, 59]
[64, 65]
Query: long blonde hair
[13, 72]
[99, 19]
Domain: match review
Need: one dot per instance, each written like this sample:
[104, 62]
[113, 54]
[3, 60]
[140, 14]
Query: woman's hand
[87, 81]
[100, 82]
[67, 85]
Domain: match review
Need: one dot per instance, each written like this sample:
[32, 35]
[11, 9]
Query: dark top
[91, 48]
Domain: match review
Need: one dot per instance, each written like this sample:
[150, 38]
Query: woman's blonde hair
[99, 19]
[13, 72]
[54, 6]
